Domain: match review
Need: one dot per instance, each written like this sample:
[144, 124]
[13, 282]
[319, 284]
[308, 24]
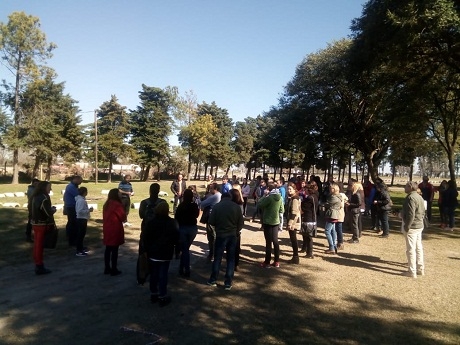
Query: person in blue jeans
[227, 219]
[332, 215]
[186, 214]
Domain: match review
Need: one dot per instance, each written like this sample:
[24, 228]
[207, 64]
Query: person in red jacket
[114, 216]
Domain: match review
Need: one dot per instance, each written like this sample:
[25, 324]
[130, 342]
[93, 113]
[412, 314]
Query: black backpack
[142, 267]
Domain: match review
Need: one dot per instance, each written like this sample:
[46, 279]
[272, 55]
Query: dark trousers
[245, 205]
[29, 229]
[271, 237]
[159, 277]
[126, 201]
[355, 230]
[374, 217]
[429, 205]
[294, 243]
[71, 227]
[81, 233]
[237, 250]
[307, 243]
[111, 257]
[211, 235]
[383, 218]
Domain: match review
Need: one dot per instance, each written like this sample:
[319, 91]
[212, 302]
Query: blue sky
[238, 53]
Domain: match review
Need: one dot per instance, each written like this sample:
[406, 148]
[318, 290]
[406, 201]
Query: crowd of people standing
[294, 206]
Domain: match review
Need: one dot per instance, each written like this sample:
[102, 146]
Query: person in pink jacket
[114, 216]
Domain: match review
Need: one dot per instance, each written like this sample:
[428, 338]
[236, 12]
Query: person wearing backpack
[146, 213]
[147, 206]
[160, 236]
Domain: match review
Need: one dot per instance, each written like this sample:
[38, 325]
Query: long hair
[236, 196]
[113, 195]
[188, 196]
[41, 188]
[293, 186]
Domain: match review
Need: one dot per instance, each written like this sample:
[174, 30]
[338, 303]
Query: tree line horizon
[388, 93]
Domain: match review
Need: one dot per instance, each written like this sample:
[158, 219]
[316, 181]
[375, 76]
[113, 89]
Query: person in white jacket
[83, 214]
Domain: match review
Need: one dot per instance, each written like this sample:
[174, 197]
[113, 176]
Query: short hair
[82, 191]
[215, 186]
[154, 189]
[162, 209]
[413, 186]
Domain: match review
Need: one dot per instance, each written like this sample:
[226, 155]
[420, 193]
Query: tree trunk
[158, 169]
[36, 166]
[372, 166]
[109, 176]
[393, 173]
[147, 172]
[450, 156]
[48, 171]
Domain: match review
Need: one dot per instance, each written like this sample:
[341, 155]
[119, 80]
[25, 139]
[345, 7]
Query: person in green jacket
[271, 205]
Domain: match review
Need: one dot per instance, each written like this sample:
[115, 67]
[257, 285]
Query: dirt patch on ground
[356, 297]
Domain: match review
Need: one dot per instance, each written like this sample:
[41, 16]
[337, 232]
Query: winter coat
[383, 200]
[413, 211]
[42, 212]
[309, 207]
[187, 213]
[355, 203]
[113, 217]
[333, 205]
[271, 206]
[293, 213]
[160, 235]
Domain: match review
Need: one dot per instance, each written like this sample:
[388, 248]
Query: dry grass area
[356, 297]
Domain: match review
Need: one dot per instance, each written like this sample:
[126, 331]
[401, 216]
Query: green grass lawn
[13, 220]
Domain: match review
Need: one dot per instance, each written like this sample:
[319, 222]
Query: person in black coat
[309, 207]
[160, 236]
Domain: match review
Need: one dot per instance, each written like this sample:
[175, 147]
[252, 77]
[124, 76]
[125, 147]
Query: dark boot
[40, 269]
[294, 260]
[115, 272]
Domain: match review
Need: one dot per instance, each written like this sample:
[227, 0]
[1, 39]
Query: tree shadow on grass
[368, 262]
[78, 304]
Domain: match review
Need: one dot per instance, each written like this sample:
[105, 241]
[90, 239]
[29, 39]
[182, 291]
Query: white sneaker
[409, 274]
[127, 224]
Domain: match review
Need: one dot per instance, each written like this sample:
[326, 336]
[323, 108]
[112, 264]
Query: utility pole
[95, 145]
